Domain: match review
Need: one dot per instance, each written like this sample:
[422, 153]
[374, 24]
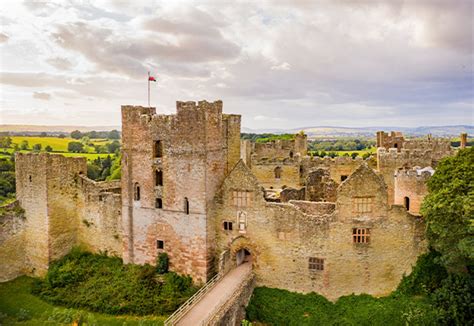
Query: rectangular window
[228, 226]
[316, 264]
[160, 244]
[158, 203]
[241, 198]
[360, 235]
[158, 148]
[362, 204]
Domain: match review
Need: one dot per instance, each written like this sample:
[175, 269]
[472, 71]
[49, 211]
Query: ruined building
[190, 188]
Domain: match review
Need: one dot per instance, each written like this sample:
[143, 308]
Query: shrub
[104, 284]
[162, 263]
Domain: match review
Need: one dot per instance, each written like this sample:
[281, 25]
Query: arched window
[407, 203]
[396, 145]
[291, 154]
[277, 172]
[186, 205]
[158, 148]
[158, 203]
[158, 178]
[136, 192]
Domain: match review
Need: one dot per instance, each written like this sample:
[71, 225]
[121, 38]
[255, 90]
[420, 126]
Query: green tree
[62, 136]
[43, 134]
[114, 134]
[48, 148]
[37, 147]
[113, 146]
[76, 134]
[5, 141]
[449, 211]
[24, 145]
[75, 147]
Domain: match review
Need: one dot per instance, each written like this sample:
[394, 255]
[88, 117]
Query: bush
[162, 263]
[103, 284]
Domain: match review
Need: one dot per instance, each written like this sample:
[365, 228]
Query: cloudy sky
[281, 64]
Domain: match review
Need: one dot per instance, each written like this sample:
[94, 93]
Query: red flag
[151, 78]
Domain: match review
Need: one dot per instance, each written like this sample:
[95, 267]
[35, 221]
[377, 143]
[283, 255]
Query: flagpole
[148, 89]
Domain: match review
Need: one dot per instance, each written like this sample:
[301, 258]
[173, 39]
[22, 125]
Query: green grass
[19, 307]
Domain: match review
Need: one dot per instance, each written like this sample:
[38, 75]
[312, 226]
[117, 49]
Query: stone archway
[243, 250]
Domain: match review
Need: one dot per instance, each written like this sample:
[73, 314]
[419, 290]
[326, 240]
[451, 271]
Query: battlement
[395, 156]
[184, 106]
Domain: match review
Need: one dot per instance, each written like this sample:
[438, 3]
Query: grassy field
[19, 307]
[58, 144]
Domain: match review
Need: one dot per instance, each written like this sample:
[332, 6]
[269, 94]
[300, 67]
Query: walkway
[219, 294]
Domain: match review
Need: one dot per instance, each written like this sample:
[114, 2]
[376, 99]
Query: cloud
[60, 63]
[42, 96]
[3, 38]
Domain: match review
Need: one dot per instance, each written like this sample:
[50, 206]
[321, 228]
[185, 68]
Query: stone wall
[411, 188]
[282, 237]
[12, 242]
[266, 175]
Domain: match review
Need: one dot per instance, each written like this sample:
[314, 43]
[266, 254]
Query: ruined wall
[246, 152]
[12, 242]
[281, 237]
[281, 148]
[100, 216]
[320, 186]
[47, 190]
[393, 140]
[266, 175]
[411, 188]
[339, 167]
[199, 145]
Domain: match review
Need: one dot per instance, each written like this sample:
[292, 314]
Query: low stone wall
[232, 312]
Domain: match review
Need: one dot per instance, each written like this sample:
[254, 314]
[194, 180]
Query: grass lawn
[19, 307]
[58, 144]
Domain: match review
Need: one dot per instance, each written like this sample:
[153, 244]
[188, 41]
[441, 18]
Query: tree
[37, 147]
[75, 147]
[113, 146]
[48, 148]
[114, 134]
[5, 141]
[62, 136]
[43, 134]
[76, 134]
[449, 211]
[24, 145]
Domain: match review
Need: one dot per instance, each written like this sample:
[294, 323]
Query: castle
[192, 189]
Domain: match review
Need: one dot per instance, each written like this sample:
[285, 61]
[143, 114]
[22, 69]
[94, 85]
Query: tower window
[158, 178]
[158, 148]
[360, 235]
[136, 192]
[315, 264]
[186, 205]
[277, 172]
[228, 226]
[407, 203]
[158, 203]
[160, 244]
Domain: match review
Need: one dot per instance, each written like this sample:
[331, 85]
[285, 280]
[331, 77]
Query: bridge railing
[185, 307]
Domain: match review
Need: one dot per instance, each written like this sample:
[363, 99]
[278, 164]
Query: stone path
[217, 295]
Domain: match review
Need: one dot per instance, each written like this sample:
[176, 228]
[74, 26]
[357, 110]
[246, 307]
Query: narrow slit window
[136, 193]
[277, 172]
[186, 205]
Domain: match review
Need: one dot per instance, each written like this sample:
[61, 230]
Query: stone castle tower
[172, 166]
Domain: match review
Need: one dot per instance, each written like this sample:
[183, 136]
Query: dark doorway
[243, 256]
[407, 203]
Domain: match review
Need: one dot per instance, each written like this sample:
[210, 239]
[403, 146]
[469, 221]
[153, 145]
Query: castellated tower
[411, 188]
[46, 186]
[172, 166]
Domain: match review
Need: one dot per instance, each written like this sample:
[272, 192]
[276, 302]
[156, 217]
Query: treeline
[113, 134]
[341, 144]
[102, 169]
[265, 138]
[7, 178]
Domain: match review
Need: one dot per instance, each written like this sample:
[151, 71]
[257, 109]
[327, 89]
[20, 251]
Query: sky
[280, 64]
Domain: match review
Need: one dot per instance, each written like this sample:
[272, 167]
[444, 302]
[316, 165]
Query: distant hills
[312, 132]
[332, 131]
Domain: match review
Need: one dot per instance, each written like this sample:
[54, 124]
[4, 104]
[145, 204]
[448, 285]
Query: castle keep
[192, 189]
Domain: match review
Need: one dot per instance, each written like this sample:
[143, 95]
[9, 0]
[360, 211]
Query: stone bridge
[221, 301]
